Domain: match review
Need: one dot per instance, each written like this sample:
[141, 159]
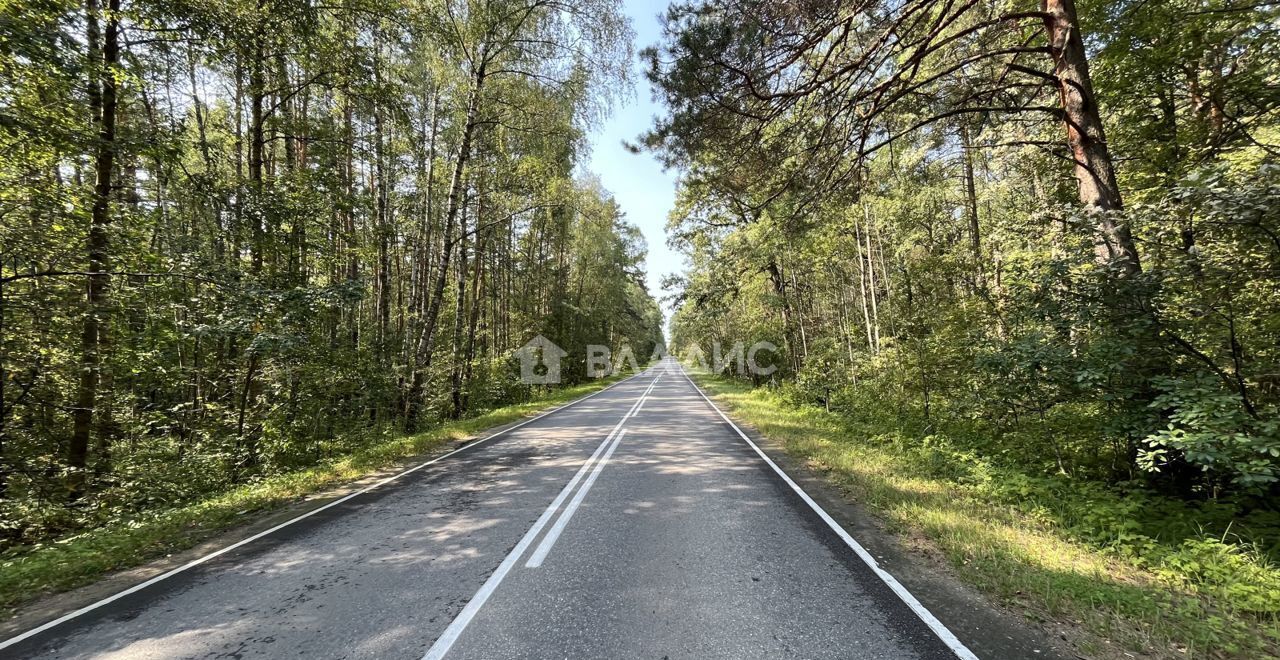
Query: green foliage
[926, 225]
[160, 528]
[1184, 82]
[322, 224]
[1209, 428]
[1139, 571]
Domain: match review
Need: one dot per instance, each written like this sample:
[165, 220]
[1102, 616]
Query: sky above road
[637, 181]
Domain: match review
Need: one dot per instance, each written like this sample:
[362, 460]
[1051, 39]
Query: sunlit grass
[69, 562]
[1110, 603]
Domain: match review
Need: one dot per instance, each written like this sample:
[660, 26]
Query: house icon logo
[540, 361]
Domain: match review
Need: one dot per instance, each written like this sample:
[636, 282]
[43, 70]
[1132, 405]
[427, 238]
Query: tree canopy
[1052, 226]
[239, 237]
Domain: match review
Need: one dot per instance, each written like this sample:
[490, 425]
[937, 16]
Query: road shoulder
[197, 543]
[989, 629]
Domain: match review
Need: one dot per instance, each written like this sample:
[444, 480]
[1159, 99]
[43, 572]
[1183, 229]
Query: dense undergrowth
[1128, 569]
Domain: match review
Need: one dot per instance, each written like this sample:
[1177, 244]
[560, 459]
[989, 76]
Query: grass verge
[1201, 599]
[78, 560]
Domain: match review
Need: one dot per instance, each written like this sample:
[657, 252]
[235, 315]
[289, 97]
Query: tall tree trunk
[804, 338]
[293, 156]
[1094, 169]
[871, 282]
[350, 240]
[971, 199]
[104, 55]
[382, 212]
[862, 286]
[459, 312]
[482, 249]
[788, 324]
[427, 336]
[257, 143]
[844, 326]
[244, 444]
[4, 409]
[425, 237]
[237, 217]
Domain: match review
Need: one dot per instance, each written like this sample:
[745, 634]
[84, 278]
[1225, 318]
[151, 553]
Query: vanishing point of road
[638, 522]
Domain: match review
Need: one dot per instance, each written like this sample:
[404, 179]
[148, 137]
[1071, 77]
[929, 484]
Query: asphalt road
[636, 523]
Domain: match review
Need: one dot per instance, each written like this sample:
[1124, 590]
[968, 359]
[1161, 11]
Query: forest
[243, 237]
[1018, 256]
[1031, 247]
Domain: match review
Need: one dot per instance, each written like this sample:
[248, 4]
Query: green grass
[1007, 534]
[70, 562]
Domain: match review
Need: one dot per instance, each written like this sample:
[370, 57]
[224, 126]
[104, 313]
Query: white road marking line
[540, 554]
[196, 562]
[460, 622]
[553, 534]
[921, 611]
[635, 410]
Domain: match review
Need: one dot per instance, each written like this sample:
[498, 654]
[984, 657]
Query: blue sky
[637, 181]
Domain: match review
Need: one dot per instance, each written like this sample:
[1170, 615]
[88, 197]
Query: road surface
[635, 523]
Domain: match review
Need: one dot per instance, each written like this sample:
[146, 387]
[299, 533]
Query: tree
[282, 212]
[819, 88]
[104, 57]
[874, 187]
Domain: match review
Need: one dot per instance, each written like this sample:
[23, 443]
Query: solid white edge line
[459, 624]
[921, 611]
[213, 555]
[548, 541]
